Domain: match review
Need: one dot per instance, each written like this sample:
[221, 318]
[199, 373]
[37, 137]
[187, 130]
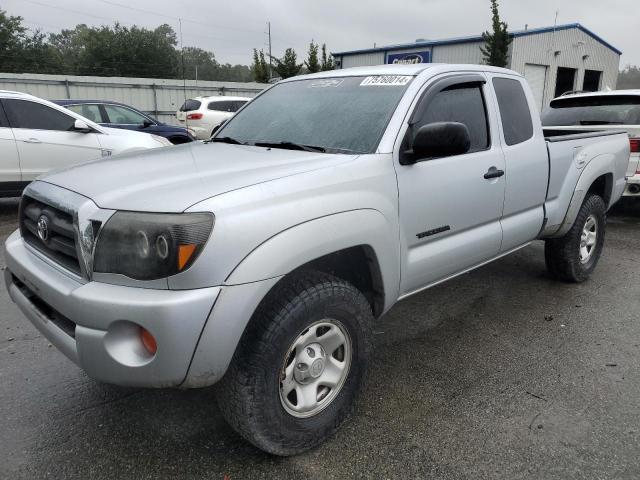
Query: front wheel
[573, 258]
[300, 364]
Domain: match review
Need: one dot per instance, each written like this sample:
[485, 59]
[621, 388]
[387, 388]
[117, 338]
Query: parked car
[266, 255]
[37, 135]
[119, 115]
[614, 110]
[203, 114]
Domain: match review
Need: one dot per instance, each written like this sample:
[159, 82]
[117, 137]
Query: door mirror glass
[441, 139]
[81, 126]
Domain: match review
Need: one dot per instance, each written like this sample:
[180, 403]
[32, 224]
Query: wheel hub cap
[588, 239]
[309, 363]
[315, 368]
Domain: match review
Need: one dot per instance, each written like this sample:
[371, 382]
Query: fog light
[148, 341]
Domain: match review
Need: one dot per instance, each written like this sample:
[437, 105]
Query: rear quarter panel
[574, 166]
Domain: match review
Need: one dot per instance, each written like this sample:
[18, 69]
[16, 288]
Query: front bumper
[97, 325]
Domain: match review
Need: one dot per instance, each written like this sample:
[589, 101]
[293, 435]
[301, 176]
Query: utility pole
[184, 80]
[269, 33]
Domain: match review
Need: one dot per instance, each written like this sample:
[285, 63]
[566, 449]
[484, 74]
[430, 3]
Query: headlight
[148, 246]
[161, 140]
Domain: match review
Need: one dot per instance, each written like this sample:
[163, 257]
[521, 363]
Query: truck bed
[569, 153]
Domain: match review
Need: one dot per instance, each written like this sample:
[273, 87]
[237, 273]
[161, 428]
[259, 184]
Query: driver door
[449, 212]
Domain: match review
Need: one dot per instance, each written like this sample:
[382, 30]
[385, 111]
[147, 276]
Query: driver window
[462, 103]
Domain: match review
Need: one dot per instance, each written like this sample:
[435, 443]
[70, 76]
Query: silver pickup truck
[261, 259]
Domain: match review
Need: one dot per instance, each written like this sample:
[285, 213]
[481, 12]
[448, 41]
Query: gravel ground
[500, 373]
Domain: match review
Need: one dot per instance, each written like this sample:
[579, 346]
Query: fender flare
[302, 243]
[595, 169]
[255, 276]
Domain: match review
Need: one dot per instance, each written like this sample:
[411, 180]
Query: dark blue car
[119, 115]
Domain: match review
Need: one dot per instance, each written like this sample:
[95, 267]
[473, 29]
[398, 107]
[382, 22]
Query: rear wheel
[573, 258]
[300, 364]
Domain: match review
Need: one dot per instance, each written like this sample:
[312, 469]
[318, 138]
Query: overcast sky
[231, 29]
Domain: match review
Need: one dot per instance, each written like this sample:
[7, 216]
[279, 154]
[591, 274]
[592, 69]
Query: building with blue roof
[555, 60]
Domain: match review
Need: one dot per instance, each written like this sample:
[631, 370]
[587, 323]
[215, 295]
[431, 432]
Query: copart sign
[409, 58]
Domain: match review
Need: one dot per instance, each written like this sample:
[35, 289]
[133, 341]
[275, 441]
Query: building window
[565, 81]
[591, 80]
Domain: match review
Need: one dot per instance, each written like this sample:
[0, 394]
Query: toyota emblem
[43, 228]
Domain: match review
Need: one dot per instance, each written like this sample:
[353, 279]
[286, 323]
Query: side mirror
[81, 126]
[147, 124]
[440, 139]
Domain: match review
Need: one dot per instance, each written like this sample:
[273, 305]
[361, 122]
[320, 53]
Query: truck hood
[172, 179]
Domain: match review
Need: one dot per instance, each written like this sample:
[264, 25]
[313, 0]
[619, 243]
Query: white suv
[615, 110]
[37, 136]
[202, 114]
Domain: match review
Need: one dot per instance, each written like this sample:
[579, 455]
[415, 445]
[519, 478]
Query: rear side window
[461, 103]
[224, 106]
[514, 110]
[27, 114]
[190, 105]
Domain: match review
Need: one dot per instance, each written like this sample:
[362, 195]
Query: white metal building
[554, 60]
[158, 97]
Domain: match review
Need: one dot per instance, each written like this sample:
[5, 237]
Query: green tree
[629, 78]
[288, 65]
[312, 63]
[327, 61]
[12, 34]
[119, 51]
[496, 49]
[260, 68]
[199, 64]
[23, 51]
[233, 73]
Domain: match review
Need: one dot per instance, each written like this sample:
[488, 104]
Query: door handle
[32, 140]
[493, 172]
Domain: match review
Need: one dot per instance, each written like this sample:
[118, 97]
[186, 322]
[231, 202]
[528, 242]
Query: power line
[189, 20]
[69, 10]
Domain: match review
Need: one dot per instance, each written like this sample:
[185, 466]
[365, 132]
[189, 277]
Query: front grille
[59, 241]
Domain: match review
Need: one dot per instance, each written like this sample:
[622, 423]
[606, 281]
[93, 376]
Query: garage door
[536, 76]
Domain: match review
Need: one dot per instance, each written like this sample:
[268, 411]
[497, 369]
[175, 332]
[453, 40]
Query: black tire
[249, 393]
[562, 255]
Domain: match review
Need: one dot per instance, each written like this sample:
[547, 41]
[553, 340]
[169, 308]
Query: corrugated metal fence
[159, 97]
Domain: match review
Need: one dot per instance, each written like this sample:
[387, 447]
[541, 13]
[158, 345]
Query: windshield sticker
[330, 82]
[386, 80]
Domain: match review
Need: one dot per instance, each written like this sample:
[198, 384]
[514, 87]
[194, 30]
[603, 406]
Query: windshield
[347, 114]
[600, 110]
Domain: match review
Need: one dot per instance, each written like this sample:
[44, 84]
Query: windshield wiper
[291, 146]
[599, 122]
[230, 140]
